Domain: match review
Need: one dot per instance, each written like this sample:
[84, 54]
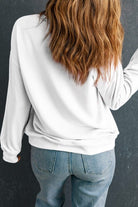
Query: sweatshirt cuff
[9, 157]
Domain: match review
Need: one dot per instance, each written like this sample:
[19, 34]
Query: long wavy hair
[85, 34]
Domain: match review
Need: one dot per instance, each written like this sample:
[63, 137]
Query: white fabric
[45, 103]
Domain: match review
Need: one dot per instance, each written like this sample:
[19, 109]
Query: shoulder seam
[21, 21]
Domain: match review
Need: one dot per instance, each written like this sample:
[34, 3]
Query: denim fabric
[91, 176]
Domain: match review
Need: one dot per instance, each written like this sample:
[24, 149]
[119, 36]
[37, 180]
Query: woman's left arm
[17, 105]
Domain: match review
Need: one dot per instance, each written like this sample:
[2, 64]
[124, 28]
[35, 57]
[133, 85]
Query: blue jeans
[91, 176]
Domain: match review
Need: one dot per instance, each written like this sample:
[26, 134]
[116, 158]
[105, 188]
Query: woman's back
[54, 111]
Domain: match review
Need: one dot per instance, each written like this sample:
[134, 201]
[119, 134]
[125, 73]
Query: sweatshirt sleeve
[122, 85]
[17, 105]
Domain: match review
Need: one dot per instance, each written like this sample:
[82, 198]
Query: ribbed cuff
[9, 157]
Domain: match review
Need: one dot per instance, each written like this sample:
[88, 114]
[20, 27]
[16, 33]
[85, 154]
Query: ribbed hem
[9, 157]
[108, 143]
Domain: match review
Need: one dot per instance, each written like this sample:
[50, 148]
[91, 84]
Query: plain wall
[18, 185]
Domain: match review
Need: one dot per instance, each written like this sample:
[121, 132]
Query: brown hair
[85, 34]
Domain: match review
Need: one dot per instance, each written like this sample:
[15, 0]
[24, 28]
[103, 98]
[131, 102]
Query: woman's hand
[19, 157]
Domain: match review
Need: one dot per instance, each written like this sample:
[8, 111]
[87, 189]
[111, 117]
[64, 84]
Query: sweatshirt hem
[89, 149]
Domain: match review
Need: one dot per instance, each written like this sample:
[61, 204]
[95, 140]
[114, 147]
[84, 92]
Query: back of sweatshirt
[45, 103]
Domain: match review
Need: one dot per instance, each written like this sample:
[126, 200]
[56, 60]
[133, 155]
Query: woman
[60, 92]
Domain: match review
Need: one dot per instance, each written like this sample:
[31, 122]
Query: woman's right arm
[122, 85]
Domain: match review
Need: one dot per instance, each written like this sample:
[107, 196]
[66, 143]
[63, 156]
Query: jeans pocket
[43, 160]
[100, 163]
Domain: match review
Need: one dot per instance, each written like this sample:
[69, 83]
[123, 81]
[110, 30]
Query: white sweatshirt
[45, 103]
